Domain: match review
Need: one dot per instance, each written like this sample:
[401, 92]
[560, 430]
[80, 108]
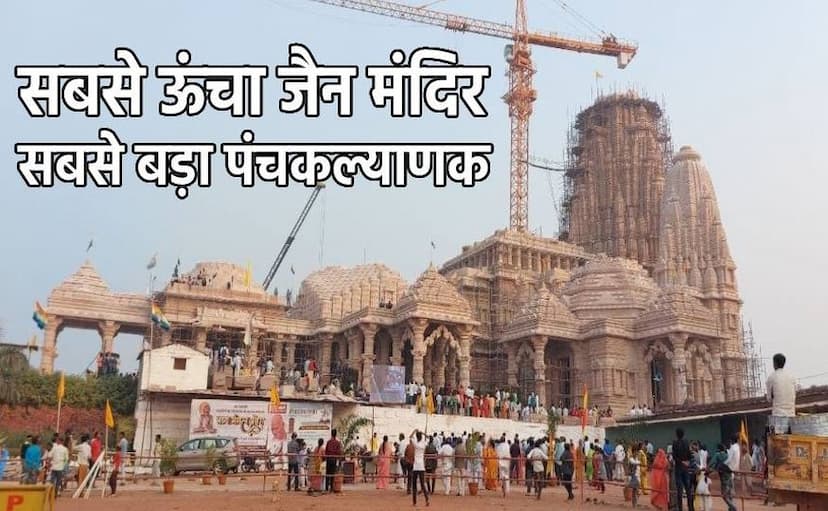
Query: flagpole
[57, 426]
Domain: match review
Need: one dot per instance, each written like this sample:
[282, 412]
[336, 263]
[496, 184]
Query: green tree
[13, 365]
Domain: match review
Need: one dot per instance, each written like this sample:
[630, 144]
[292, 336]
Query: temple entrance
[560, 377]
[659, 360]
[526, 371]
[441, 368]
[408, 360]
[383, 347]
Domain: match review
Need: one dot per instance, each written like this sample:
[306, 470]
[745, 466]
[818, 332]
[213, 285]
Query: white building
[174, 367]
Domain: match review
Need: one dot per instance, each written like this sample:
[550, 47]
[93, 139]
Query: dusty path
[248, 495]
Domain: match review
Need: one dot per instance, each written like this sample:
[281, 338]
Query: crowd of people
[63, 459]
[501, 404]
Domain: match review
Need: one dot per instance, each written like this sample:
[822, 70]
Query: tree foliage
[12, 365]
[88, 392]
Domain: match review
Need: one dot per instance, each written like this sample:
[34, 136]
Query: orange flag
[108, 418]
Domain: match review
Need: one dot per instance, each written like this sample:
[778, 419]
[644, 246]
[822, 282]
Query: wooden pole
[57, 425]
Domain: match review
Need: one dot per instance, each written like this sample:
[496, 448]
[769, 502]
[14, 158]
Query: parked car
[216, 454]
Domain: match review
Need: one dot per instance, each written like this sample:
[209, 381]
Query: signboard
[388, 384]
[310, 421]
[246, 421]
[16, 497]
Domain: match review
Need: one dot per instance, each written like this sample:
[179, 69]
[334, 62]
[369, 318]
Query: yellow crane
[521, 94]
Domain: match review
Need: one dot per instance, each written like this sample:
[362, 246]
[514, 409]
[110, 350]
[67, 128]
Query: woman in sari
[641, 456]
[588, 463]
[383, 464]
[316, 467]
[490, 466]
[660, 482]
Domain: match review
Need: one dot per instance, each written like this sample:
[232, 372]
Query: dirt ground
[253, 493]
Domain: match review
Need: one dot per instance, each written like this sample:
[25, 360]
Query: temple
[640, 306]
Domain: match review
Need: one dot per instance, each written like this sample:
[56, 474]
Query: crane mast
[521, 94]
[291, 236]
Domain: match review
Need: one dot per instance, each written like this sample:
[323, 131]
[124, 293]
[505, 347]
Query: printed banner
[388, 384]
[310, 422]
[246, 421]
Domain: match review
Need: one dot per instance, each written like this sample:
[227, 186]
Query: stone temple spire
[692, 246]
[693, 251]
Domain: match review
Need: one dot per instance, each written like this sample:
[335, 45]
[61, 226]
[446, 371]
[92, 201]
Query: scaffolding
[754, 363]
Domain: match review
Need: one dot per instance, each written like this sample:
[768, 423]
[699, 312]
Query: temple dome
[221, 275]
[692, 248]
[85, 280]
[335, 291]
[434, 289]
[544, 306]
[609, 287]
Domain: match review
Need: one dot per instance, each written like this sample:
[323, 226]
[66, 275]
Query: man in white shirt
[59, 456]
[536, 458]
[446, 456]
[84, 451]
[620, 454]
[418, 469]
[503, 461]
[781, 387]
[734, 454]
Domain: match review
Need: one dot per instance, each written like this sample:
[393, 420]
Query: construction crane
[292, 236]
[521, 93]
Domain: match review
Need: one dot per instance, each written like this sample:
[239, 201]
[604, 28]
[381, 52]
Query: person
[490, 466]
[719, 463]
[659, 481]
[745, 467]
[84, 453]
[461, 465]
[333, 453]
[559, 450]
[430, 464]
[123, 445]
[302, 461]
[642, 468]
[620, 455]
[476, 462]
[503, 463]
[514, 452]
[32, 461]
[59, 460]
[156, 458]
[599, 469]
[446, 456]
[567, 470]
[537, 457]
[781, 392]
[315, 467]
[734, 454]
[95, 447]
[634, 479]
[418, 466]
[117, 460]
[383, 464]
[703, 492]
[758, 458]
[4, 457]
[681, 459]
[293, 462]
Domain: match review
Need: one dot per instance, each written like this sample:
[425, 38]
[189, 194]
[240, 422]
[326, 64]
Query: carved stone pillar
[539, 346]
[512, 365]
[325, 345]
[108, 330]
[679, 341]
[369, 331]
[50, 335]
[396, 346]
[438, 379]
[277, 348]
[464, 357]
[290, 363]
[201, 339]
[418, 352]
[451, 369]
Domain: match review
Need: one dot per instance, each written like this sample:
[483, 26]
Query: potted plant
[169, 459]
[220, 467]
[471, 446]
[349, 428]
[212, 465]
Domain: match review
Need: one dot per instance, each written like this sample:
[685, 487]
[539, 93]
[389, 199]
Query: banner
[246, 421]
[310, 421]
[388, 384]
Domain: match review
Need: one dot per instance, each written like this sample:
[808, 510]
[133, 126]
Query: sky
[743, 82]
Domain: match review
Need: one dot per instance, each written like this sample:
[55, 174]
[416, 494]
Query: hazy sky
[744, 82]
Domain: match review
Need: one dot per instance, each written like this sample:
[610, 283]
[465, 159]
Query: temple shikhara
[636, 298]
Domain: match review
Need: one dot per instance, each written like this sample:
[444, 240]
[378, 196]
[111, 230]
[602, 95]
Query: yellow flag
[61, 390]
[248, 274]
[274, 396]
[743, 434]
[108, 418]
